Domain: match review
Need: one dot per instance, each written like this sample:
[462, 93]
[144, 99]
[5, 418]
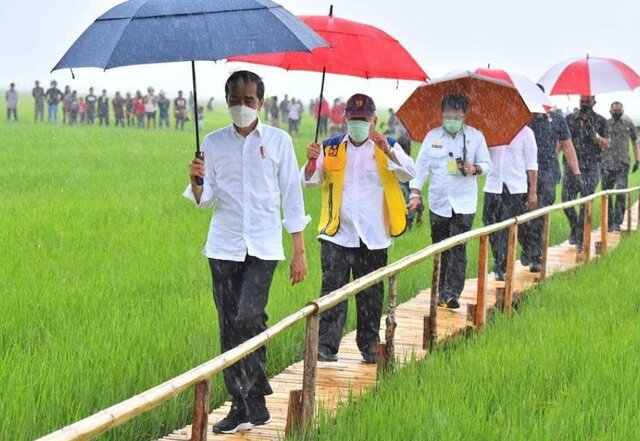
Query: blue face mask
[358, 130]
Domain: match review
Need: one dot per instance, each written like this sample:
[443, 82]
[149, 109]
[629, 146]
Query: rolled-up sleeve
[406, 169]
[295, 218]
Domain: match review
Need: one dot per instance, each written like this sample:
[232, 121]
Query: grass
[104, 290]
[564, 368]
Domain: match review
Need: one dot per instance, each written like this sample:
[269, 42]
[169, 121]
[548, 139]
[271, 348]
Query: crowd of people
[362, 172]
[150, 110]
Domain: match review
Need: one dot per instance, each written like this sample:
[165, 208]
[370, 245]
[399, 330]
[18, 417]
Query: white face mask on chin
[243, 116]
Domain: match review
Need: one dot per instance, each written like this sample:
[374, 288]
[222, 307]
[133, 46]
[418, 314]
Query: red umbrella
[357, 49]
[589, 76]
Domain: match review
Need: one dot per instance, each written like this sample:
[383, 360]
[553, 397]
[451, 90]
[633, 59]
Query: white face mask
[243, 116]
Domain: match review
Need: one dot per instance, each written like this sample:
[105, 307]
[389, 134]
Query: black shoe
[453, 303]
[236, 420]
[535, 268]
[325, 355]
[524, 260]
[442, 302]
[258, 413]
[500, 275]
[369, 358]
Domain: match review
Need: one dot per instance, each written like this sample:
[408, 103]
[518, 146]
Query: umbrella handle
[199, 155]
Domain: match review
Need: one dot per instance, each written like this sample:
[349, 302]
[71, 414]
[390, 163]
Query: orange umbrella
[495, 107]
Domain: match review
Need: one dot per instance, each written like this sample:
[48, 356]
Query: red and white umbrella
[589, 76]
[533, 97]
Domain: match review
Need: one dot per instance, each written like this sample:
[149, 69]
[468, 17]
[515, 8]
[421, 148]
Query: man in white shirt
[248, 168]
[294, 114]
[451, 156]
[151, 107]
[510, 189]
[362, 208]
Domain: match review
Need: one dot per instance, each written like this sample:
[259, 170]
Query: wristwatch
[478, 169]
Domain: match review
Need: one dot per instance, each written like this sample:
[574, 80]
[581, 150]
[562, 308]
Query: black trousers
[616, 179]
[453, 264]
[530, 234]
[240, 293]
[570, 191]
[338, 263]
[498, 208]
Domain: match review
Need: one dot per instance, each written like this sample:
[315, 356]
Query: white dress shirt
[510, 163]
[362, 211]
[447, 192]
[245, 178]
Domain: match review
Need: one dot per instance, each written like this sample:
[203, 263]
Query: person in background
[91, 101]
[118, 104]
[451, 157]
[38, 96]
[54, 96]
[245, 236]
[103, 108]
[139, 109]
[324, 115]
[82, 110]
[284, 107]
[552, 137]
[163, 108]
[73, 108]
[510, 190]
[66, 105]
[616, 162]
[590, 135]
[337, 117]
[128, 109]
[294, 115]
[209, 105]
[11, 97]
[180, 110]
[362, 209]
[191, 107]
[151, 107]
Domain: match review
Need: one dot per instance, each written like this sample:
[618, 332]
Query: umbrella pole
[324, 71]
[199, 181]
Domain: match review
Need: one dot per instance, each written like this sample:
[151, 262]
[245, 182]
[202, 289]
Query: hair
[244, 76]
[455, 102]
[616, 103]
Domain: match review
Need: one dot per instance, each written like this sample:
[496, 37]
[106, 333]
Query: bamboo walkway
[338, 381]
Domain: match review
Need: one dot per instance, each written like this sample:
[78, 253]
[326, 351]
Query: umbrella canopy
[589, 76]
[495, 107]
[160, 31]
[533, 97]
[357, 49]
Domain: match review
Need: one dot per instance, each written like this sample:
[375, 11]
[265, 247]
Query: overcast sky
[522, 36]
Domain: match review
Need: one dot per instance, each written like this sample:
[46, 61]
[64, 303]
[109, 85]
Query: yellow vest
[335, 161]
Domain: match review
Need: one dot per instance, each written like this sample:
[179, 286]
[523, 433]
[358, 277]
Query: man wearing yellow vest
[362, 209]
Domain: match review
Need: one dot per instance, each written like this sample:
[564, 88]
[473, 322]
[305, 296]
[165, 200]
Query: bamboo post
[628, 197]
[310, 370]
[586, 238]
[433, 310]
[511, 263]
[604, 224]
[200, 418]
[390, 330]
[546, 224]
[483, 263]
[294, 413]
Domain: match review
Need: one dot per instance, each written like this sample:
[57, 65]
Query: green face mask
[452, 125]
[358, 130]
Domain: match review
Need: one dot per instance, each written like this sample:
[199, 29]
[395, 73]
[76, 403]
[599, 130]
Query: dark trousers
[498, 208]
[570, 191]
[338, 263]
[453, 264]
[240, 293]
[530, 234]
[616, 179]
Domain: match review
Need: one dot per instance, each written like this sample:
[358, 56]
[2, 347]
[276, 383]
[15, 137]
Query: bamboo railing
[302, 402]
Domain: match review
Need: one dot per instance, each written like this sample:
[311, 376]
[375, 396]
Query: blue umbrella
[160, 31]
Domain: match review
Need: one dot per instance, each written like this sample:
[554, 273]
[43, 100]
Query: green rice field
[104, 294]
